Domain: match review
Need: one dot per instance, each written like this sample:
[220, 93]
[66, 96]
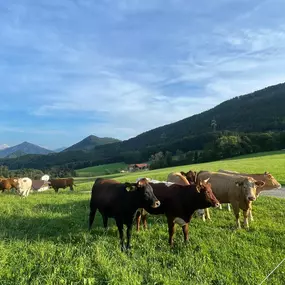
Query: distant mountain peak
[90, 143]
[22, 149]
[3, 146]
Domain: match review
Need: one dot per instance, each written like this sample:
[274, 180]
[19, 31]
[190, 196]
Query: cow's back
[223, 185]
[269, 180]
[177, 178]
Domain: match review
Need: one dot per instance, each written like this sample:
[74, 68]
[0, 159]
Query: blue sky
[71, 68]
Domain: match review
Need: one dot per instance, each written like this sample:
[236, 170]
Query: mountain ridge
[90, 142]
[23, 149]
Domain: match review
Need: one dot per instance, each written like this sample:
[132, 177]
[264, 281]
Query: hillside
[259, 111]
[90, 143]
[258, 118]
[23, 149]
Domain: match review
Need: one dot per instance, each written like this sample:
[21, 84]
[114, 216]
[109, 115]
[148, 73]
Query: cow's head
[145, 192]
[249, 185]
[270, 182]
[191, 176]
[14, 182]
[205, 189]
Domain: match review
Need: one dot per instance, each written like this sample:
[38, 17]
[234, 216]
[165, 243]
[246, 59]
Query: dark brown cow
[62, 183]
[120, 201]
[179, 202]
[8, 184]
[191, 176]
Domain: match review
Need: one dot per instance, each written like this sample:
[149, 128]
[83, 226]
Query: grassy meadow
[44, 239]
[101, 169]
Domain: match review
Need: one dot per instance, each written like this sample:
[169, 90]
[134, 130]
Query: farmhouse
[40, 185]
[138, 166]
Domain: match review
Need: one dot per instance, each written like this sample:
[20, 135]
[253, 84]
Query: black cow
[120, 201]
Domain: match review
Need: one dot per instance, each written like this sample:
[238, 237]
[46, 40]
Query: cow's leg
[229, 207]
[56, 190]
[185, 230]
[92, 213]
[220, 207]
[207, 214]
[138, 220]
[144, 215]
[70, 188]
[105, 221]
[235, 207]
[250, 211]
[245, 218]
[129, 234]
[120, 227]
[171, 229]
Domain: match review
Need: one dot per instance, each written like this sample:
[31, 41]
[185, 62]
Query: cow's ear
[129, 186]
[259, 183]
[141, 183]
[183, 173]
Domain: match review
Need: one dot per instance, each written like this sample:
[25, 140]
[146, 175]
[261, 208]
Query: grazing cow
[178, 178]
[62, 183]
[120, 201]
[190, 175]
[239, 191]
[269, 180]
[24, 186]
[179, 202]
[270, 183]
[8, 183]
[183, 178]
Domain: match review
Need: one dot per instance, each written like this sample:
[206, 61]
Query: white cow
[24, 186]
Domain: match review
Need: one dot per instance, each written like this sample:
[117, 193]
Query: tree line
[36, 174]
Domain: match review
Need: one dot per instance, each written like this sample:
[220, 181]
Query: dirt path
[280, 193]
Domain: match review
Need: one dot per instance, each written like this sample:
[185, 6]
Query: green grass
[273, 162]
[44, 240]
[101, 169]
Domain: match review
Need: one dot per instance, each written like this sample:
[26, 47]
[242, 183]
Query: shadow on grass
[63, 222]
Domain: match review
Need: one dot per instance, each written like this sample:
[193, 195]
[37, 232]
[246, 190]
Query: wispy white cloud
[121, 68]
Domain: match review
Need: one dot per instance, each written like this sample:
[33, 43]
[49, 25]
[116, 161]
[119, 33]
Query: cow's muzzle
[251, 198]
[217, 205]
[279, 187]
[156, 204]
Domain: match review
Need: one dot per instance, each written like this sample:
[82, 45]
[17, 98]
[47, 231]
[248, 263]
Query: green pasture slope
[274, 162]
[101, 169]
[44, 240]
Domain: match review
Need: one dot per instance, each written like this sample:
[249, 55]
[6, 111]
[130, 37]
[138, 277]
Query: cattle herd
[23, 186]
[178, 198]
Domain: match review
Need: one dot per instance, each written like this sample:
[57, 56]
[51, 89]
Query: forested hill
[260, 111]
[255, 113]
[90, 142]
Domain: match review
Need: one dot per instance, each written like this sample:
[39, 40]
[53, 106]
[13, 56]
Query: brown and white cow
[239, 191]
[179, 202]
[24, 186]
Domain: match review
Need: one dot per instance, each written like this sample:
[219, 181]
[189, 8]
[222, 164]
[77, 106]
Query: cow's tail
[92, 213]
